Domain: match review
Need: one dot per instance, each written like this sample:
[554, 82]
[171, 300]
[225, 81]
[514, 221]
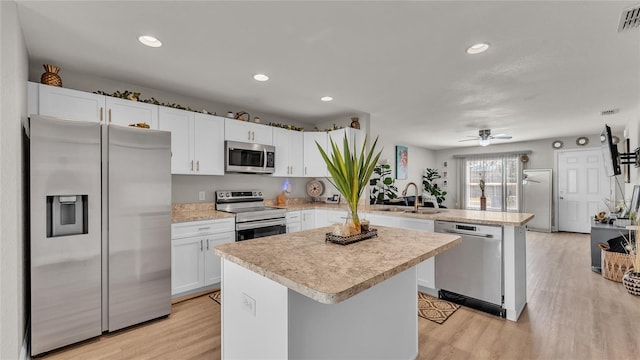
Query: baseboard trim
[24, 352]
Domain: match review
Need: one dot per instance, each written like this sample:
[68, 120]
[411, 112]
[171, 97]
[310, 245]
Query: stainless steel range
[253, 218]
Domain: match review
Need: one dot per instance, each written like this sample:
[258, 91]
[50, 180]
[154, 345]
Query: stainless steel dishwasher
[471, 273]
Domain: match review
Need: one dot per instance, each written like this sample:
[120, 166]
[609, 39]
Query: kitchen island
[296, 296]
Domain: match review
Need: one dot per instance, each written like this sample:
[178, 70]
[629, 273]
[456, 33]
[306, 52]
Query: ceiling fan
[484, 137]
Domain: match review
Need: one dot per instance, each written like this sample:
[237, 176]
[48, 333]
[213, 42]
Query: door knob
[561, 198]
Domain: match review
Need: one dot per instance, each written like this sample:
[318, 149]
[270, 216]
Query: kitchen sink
[424, 211]
[395, 209]
[411, 210]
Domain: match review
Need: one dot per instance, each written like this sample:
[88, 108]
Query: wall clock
[557, 144]
[582, 141]
[315, 188]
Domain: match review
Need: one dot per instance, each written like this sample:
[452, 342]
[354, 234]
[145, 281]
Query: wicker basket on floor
[614, 264]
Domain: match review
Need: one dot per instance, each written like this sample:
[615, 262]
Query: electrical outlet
[201, 195]
[249, 304]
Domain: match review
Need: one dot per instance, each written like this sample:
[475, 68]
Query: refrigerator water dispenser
[67, 215]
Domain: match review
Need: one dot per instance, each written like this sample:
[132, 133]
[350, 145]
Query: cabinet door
[314, 165]
[125, 112]
[236, 130]
[187, 266]
[293, 227]
[336, 217]
[70, 104]
[262, 134]
[212, 268]
[281, 140]
[308, 220]
[296, 158]
[208, 144]
[427, 268]
[180, 124]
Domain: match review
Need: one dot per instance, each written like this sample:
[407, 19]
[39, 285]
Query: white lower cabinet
[293, 221]
[308, 219]
[193, 262]
[427, 268]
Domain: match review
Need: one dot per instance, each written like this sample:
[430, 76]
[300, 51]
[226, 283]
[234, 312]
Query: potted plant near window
[350, 171]
[429, 185]
[483, 199]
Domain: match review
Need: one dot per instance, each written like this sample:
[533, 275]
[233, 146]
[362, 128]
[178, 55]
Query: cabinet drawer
[204, 227]
[293, 216]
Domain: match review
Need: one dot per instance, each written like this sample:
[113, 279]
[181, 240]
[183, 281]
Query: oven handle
[259, 224]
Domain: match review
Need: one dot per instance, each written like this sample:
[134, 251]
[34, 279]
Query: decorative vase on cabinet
[50, 76]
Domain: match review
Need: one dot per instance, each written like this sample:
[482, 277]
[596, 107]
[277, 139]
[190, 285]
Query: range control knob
[260, 193]
[228, 194]
[220, 194]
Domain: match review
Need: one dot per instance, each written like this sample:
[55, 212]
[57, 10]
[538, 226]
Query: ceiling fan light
[484, 142]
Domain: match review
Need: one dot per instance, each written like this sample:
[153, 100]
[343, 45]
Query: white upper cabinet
[70, 104]
[197, 141]
[180, 124]
[244, 131]
[355, 138]
[289, 157]
[126, 112]
[314, 165]
[208, 146]
[84, 106]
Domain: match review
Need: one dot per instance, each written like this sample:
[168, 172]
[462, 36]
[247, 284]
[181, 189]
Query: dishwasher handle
[458, 232]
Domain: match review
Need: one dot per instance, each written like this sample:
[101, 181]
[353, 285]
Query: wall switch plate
[201, 195]
[249, 304]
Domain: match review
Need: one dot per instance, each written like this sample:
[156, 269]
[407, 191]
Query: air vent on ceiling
[609, 112]
[629, 19]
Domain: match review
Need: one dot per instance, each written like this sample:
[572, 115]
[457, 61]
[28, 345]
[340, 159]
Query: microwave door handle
[264, 160]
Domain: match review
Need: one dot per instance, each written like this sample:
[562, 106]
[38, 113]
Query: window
[501, 174]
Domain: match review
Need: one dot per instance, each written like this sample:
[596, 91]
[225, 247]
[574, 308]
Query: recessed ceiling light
[260, 77]
[326, 98]
[150, 41]
[477, 48]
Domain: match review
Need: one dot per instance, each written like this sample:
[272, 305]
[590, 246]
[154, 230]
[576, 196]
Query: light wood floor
[572, 313]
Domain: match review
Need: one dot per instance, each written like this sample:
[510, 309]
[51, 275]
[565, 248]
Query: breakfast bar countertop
[331, 273]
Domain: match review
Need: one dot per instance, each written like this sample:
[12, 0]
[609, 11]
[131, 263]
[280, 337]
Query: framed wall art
[402, 162]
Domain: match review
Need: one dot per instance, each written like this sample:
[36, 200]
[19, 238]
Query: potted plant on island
[350, 171]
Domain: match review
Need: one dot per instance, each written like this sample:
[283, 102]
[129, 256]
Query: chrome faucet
[404, 193]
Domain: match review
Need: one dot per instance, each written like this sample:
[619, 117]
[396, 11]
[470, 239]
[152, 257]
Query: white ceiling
[551, 69]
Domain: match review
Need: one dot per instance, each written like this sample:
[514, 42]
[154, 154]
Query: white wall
[419, 158]
[542, 157]
[13, 108]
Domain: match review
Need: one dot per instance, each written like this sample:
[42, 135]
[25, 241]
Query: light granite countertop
[196, 212]
[457, 215]
[206, 211]
[331, 273]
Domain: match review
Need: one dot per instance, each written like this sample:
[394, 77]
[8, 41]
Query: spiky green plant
[350, 171]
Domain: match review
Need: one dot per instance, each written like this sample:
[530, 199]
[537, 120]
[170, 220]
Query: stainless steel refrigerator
[100, 250]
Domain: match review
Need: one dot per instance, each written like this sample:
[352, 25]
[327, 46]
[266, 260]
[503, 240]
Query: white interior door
[582, 187]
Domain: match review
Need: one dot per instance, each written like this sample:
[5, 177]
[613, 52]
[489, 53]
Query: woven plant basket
[614, 264]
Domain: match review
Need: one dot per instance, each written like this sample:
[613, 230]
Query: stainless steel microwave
[249, 158]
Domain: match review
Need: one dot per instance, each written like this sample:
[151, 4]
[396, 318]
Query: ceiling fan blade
[474, 139]
[501, 136]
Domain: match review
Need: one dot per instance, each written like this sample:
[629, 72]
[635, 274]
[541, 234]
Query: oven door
[262, 228]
